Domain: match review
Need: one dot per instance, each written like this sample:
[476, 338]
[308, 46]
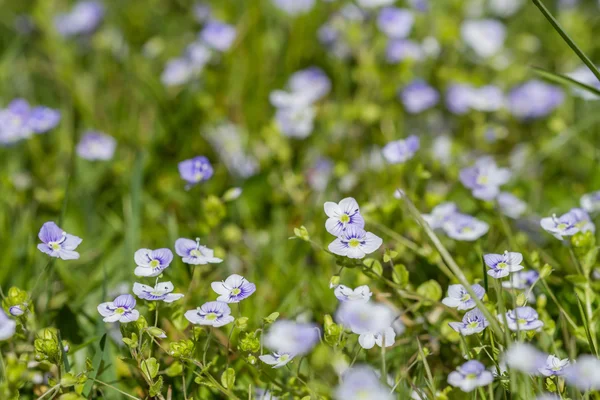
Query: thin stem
[116, 389]
[383, 366]
[567, 38]
[206, 346]
[51, 390]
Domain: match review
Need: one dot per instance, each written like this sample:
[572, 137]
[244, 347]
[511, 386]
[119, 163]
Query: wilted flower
[554, 366]
[96, 146]
[193, 253]
[291, 337]
[484, 178]
[152, 262]
[584, 373]
[120, 309]
[510, 205]
[7, 326]
[459, 298]
[523, 319]
[195, 170]
[473, 322]
[276, 360]
[83, 19]
[485, 37]
[160, 292]
[58, 243]
[218, 35]
[294, 7]
[502, 265]
[418, 96]
[440, 214]
[590, 202]
[355, 242]
[534, 99]
[470, 376]
[524, 357]
[361, 382]
[213, 313]
[361, 293]
[400, 151]
[234, 289]
[464, 227]
[342, 216]
[395, 22]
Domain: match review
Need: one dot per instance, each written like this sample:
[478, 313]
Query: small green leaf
[228, 378]
[150, 368]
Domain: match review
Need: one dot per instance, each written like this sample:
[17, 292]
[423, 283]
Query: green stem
[115, 389]
[567, 38]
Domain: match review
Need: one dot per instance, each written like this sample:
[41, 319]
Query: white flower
[385, 338]
[276, 360]
[361, 293]
[486, 37]
[440, 214]
[524, 357]
[584, 373]
[195, 254]
[152, 262]
[7, 326]
[121, 309]
[213, 313]
[161, 291]
[234, 289]
[554, 366]
[342, 215]
[355, 242]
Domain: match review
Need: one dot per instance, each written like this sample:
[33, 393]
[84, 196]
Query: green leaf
[565, 80]
[150, 368]
[97, 362]
[228, 378]
[156, 387]
[374, 265]
[400, 275]
[431, 290]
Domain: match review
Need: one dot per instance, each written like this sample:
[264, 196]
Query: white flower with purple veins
[195, 254]
[195, 170]
[395, 22]
[58, 243]
[484, 178]
[213, 313]
[152, 262]
[568, 224]
[522, 319]
[590, 202]
[233, 289]
[459, 298]
[501, 265]
[400, 151]
[418, 96]
[218, 35]
[361, 293]
[472, 322]
[582, 220]
[342, 215]
[355, 242]
[510, 205]
[360, 383]
[294, 7]
[8, 326]
[524, 357]
[160, 292]
[464, 227]
[587, 77]
[584, 373]
[289, 337]
[120, 309]
[554, 366]
[521, 280]
[83, 19]
[485, 37]
[95, 146]
[534, 99]
[277, 360]
[470, 376]
[440, 214]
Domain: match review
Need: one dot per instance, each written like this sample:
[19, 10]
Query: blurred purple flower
[472, 322]
[294, 7]
[96, 146]
[470, 376]
[195, 170]
[291, 337]
[534, 99]
[522, 319]
[418, 96]
[484, 178]
[83, 19]
[400, 151]
[218, 35]
[510, 205]
[395, 22]
[485, 37]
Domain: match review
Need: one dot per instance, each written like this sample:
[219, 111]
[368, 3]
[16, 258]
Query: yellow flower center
[284, 357]
[236, 291]
[466, 297]
[354, 243]
[473, 325]
[345, 218]
[561, 226]
[55, 246]
[482, 180]
[154, 263]
[120, 311]
[211, 316]
[196, 253]
[502, 265]
[521, 321]
[198, 176]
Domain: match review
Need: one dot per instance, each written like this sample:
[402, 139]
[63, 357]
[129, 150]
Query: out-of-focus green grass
[138, 200]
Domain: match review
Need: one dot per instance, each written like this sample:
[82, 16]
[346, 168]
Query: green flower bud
[250, 343]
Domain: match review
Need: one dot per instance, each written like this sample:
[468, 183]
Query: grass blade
[565, 80]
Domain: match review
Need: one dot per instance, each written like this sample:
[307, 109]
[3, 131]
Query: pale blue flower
[523, 319]
[464, 227]
[501, 265]
[590, 202]
[554, 366]
[8, 326]
[418, 96]
[459, 298]
[95, 146]
[395, 22]
[400, 151]
[473, 322]
[584, 75]
[234, 289]
[218, 35]
[534, 99]
[510, 205]
[58, 243]
[470, 376]
[291, 337]
[121, 309]
[294, 7]
[277, 360]
[193, 253]
[355, 242]
[195, 170]
[361, 293]
[440, 214]
[152, 263]
[584, 373]
[484, 178]
[342, 215]
[361, 382]
[160, 292]
[485, 36]
[398, 50]
[576, 220]
[83, 19]
[213, 313]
